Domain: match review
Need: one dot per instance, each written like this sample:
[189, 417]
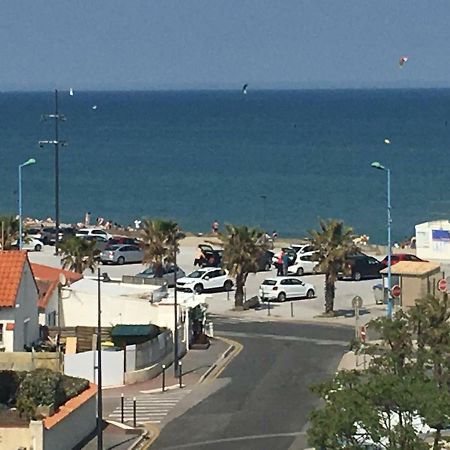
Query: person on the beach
[215, 227]
[285, 263]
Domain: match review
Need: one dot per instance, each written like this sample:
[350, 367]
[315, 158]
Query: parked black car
[359, 266]
[48, 234]
[265, 261]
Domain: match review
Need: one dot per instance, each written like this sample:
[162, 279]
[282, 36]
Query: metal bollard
[180, 373]
[163, 377]
[134, 412]
[122, 404]
[228, 296]
[211, 330]
[268, 307]
[292, 309]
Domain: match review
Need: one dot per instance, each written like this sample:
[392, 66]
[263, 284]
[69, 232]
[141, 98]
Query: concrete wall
[426, 247]
[29, 361]
[73, 428]
[26, 329]
[15, 437]
[83, 365]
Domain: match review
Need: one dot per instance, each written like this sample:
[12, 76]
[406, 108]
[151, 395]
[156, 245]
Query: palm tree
[78, 254]
[10, 229]
[161, 239]
[242, 247]
[333, 243]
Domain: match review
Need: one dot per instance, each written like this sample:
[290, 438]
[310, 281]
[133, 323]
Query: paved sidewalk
[152, 404]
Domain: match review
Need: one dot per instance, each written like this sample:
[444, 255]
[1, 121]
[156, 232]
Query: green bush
[41, 387]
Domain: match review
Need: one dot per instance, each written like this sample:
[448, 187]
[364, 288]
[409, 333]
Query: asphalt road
[266, 402]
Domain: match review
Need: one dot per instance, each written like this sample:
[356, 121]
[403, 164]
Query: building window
[51, 321]
[1, 333]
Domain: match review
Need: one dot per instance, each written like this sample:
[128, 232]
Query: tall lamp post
[99, 366]
[27, 163]
[379, 166]
[56, 142]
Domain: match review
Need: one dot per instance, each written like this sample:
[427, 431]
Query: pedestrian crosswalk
[151, 408]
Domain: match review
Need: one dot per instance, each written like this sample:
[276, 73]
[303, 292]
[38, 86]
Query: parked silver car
[121, 254]
[168, 274]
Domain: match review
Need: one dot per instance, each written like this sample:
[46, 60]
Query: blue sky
[165, 44]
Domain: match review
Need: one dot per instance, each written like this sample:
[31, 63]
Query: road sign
[396, 291]
[357, 302]
[442, 285]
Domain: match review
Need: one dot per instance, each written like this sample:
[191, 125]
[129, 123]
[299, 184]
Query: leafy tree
[404, 391]
[10, 226]
[161, 239]
[242, 247]
[78, 254]
[333, 242]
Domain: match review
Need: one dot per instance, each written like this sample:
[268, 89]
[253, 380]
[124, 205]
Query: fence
[139, 357]
[30, 360]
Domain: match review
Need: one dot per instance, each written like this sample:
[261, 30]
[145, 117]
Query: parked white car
[303, 264]
[205, 279]
[29, 243]
[93, 232]
[302, 248]
[282, 288]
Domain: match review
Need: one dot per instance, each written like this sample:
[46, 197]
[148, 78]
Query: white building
[19, 295]
[123, 303]
[433, 240]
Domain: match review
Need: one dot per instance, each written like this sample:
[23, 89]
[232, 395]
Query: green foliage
[407, 381]
[40, 387]
[10, 230]
[78, 254]
[242, 247]
[333, 242]
[161, 238]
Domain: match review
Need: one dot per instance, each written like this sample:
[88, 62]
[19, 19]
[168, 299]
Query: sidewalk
[124, 437]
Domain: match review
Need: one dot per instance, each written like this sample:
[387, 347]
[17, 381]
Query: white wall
[7, 316]
[80, 309]
[50, 311]
[83, 365]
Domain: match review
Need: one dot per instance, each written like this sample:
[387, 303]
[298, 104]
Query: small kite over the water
[94, 107]
[71, 92]
[244, 89]
[402, 61]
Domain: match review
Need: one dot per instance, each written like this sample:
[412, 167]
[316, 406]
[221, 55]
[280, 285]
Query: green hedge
[41, 387]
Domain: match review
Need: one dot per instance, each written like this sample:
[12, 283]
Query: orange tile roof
[69, 406]
[12, 263]
[47, 273]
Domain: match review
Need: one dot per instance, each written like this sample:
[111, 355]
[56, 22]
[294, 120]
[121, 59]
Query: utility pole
[99, 366]
[56, 142]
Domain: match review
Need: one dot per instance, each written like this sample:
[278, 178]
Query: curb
[234, 349]
[141, 439]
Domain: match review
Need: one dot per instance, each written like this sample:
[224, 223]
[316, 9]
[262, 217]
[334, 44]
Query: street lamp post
[377, 165]
[264, 199]
[27, 163]
[175, 313]
[99, 366]
[56, 142]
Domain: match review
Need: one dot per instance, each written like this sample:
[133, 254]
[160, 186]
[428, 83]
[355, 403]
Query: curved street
[261, 399]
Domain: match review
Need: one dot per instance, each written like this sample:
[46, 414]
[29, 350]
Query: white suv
[93, 232]
[204, 279]
[282, 288]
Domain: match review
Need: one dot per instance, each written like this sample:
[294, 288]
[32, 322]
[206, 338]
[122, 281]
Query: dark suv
[359, 266]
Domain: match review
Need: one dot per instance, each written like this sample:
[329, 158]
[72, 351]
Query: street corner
[232, 351]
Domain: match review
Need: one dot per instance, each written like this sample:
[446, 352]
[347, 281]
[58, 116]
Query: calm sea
[276, 159]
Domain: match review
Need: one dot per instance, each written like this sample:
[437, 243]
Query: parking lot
[223, 302]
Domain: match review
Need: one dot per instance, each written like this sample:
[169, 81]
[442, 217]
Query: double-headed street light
[26, 163]
[379, 166]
